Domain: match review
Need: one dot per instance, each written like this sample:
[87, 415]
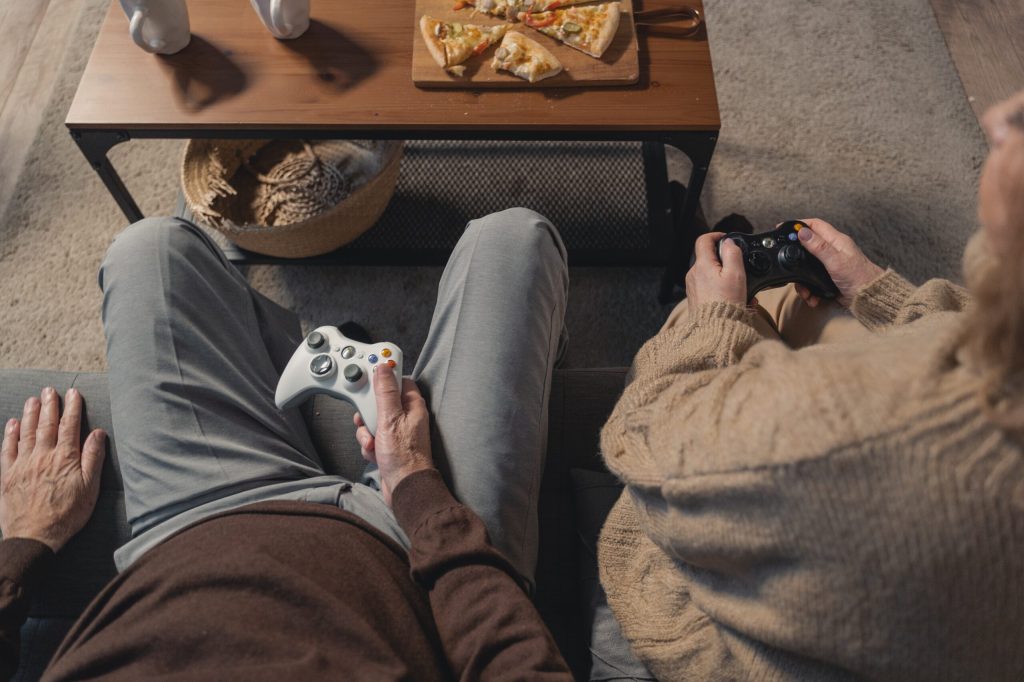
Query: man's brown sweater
[289, 590]
[841, 511]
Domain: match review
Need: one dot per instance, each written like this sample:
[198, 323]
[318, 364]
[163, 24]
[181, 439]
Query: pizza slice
[525, 58]
[589, 29]
[451, 43]
[511, 9]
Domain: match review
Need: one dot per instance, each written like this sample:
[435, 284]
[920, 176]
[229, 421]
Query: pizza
[511, 9]
[525, 58]
[451, 43]
[589, 29]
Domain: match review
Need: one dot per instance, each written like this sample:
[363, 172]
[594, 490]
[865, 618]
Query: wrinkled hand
[402, 444]
[711, 280]
[48, 485]
[849, 268]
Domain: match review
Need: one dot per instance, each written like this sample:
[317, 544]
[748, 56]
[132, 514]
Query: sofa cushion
[581, 401]
[594, 494]
[86, 563]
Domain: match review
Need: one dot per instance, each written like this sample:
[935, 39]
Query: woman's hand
[402, 444]
[711, 280]
[849, 268]
[1001, 119]
[48, 484]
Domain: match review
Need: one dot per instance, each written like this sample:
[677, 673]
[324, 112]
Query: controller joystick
[791, 256]
[772, 259]
[314, 368]
[316, 340]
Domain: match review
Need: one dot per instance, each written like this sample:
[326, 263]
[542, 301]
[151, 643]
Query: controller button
[347, 352]
[353, 373]
[372, 359]
[386, 352]
[793, 237]
[321, 365]
[315, 340]
[392, 364]
[791, 256]
[738, 241]
[768, 242]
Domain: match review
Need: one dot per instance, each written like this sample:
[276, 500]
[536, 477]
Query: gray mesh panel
[593, 192]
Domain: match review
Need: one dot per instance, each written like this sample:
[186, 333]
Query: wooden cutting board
[620, 64]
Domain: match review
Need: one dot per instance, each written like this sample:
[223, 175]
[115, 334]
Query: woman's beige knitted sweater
[838, 511]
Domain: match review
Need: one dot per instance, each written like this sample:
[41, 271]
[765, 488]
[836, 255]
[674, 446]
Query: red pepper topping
[538, 20]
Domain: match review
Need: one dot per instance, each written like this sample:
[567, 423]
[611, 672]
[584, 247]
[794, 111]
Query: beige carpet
[848, 111]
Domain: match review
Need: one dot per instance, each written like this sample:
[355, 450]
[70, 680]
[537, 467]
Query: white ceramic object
[329, 362]
[158, 26]
[285, 19]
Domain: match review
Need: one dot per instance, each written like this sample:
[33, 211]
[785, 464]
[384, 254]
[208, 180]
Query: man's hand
[849, 268]
[711, 280]
[48, 485]
[402, 443]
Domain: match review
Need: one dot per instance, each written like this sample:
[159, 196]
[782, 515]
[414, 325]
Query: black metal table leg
[686, 230]
[94, 146]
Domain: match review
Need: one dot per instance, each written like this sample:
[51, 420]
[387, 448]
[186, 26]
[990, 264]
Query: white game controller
[329, 362]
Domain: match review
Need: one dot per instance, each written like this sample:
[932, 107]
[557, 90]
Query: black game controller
[774, 258]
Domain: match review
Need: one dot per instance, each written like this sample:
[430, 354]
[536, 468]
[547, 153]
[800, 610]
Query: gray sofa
[566, 572]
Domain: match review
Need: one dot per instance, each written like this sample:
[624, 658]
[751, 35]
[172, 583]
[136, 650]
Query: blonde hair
[995, 337]
[995, 334]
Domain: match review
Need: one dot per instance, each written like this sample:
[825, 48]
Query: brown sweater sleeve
[891, 300]
[22, 563]
[489, 628]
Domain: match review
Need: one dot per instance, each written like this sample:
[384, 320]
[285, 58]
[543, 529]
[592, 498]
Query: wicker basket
[210, 167]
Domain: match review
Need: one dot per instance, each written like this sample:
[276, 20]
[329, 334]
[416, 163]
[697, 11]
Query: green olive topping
[570, 27]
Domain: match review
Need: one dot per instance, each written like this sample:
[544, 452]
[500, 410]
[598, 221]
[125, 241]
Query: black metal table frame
[668, 203]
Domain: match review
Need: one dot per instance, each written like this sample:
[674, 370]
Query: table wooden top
[351, 72]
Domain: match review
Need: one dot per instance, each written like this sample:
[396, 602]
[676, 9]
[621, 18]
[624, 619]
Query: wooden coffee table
[350, 76]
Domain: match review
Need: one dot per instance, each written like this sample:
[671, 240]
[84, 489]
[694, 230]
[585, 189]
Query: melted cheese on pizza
[580, 27]
[525, 58]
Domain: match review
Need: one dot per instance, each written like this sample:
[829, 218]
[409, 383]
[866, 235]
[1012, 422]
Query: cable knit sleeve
[816, 513]
[717, 335]
[891, 300]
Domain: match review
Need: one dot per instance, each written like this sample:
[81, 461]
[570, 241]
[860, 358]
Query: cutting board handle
[691, 17]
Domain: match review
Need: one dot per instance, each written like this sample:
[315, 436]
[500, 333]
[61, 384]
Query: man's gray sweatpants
[194, 355]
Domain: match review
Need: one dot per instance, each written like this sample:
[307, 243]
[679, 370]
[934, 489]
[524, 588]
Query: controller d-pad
[759, 262]
[353, 373]
[321, 365]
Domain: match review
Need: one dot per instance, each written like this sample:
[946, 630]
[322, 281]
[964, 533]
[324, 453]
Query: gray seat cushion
[580, 403]
[595, 493]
